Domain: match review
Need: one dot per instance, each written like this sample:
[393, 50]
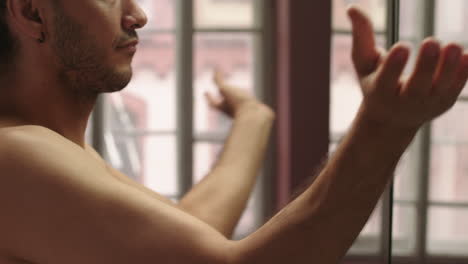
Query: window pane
[149, 101]
[453, 29]
[224, 13]
[150, 160]
[232, 54]
[411, 19]
[160, 14]
[404, 229]
[449, 156]
[407, 178]
[345, 91]
[374, 8]
[159, 164]
[206, 154]
[448, 231]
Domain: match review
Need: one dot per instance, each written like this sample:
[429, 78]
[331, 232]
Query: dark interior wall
[303, 37]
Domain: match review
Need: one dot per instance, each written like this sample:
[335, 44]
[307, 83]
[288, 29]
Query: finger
[364, 53]
[389, 75]
[216, 103]
[462, 75]
[448, 68]
[421, 80]
[218, 79]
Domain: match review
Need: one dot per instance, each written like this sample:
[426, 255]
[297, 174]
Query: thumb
[365, 55]
[216, 103]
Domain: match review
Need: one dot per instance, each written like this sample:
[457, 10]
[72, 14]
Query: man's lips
[132, 43]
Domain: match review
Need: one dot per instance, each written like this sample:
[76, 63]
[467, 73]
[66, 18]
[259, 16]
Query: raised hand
[234, 100]
[433, 87]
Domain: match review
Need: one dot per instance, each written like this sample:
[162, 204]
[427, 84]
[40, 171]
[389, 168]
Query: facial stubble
[82, 63]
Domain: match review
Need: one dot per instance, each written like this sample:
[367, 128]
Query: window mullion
[184, 69]
[262, 79]
[424, 152]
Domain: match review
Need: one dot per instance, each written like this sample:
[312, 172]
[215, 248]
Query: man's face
[84, 40]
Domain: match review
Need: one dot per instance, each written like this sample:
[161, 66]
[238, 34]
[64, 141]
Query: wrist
[367, 122]
[255, 109]
[391, 124]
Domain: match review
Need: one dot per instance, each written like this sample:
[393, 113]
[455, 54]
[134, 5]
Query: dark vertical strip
[264, 81]
[303, 92]
[184, 68]
[283, 101]
[393, 36]
[98, 129]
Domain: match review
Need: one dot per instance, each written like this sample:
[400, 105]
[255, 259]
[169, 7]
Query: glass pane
[150, 160]
[160, 13]
[232, 54]
[345, 91]
[206, 154]
[404, 229]
[449, 156]
[406, 178]
[453, 29]
[411, 20]
[224, 14]
[149, 101]
[376, 9]
[448, 231]
[160, 164]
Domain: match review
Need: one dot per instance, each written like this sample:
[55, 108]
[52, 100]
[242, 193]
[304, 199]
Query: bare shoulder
[36, 149]
[58, 208]
[17, 138]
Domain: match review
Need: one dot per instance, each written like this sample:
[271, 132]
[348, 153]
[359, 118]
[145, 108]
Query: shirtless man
[61, 203]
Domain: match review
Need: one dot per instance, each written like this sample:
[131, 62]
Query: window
[160, 130]
[430, 203]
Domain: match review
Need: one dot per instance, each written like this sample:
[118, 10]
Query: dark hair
[8, 45]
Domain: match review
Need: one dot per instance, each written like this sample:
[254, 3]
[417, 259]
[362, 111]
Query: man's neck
[49, 105]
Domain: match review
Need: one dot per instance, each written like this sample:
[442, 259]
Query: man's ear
[26, 18]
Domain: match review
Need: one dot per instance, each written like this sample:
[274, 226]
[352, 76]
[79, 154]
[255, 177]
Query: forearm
[321, 224]
[221, 197]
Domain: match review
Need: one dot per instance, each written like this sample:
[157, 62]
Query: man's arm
[221, 197]
[321, 224]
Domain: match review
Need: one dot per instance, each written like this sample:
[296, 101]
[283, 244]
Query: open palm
[432, 88]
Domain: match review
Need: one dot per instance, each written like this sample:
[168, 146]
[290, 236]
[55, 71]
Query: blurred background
[294, 56]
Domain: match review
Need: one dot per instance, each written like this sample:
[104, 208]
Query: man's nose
[136, 19]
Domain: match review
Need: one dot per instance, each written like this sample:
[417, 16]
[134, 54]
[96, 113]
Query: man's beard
[81, 64]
